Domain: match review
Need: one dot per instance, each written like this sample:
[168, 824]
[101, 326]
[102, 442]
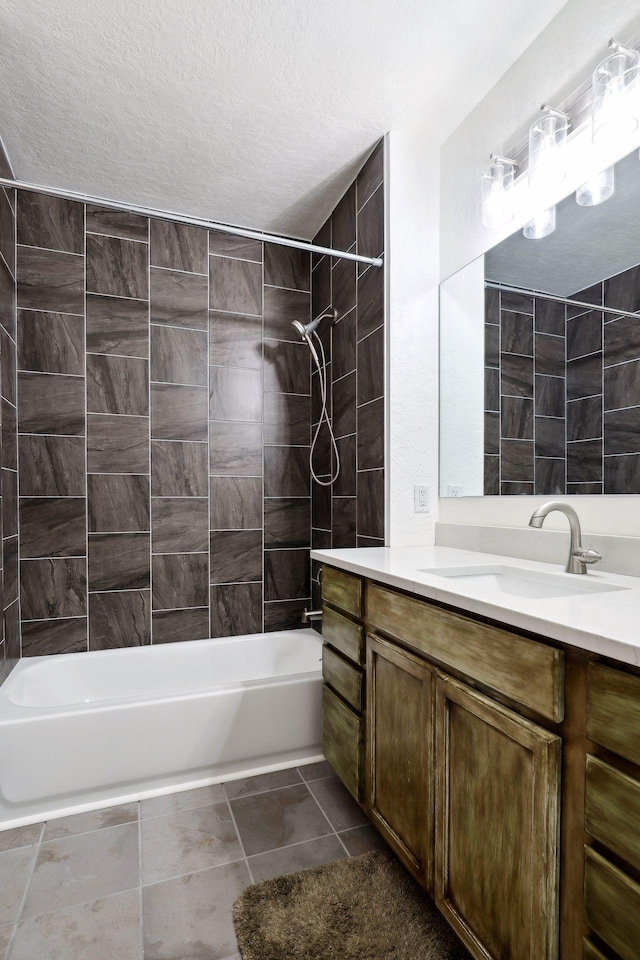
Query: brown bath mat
[366, 908]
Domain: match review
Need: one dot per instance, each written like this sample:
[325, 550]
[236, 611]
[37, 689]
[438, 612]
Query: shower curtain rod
[506, 288]
[192, 221]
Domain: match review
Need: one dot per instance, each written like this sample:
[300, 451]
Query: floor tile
[20, 836]
[338, 804]
[300, 856]
[184, 800]
[88, 822]
[362, 840]
[266, 781]
[276, 819]
[190, 840]
[15, 866]
[78, 869]
[107, 929]
[190, 917]
[316, 771]
[5, 939]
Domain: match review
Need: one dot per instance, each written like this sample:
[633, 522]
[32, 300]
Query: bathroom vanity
[495, 747]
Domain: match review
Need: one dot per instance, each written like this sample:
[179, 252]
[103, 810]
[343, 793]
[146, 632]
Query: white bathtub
[86, 730]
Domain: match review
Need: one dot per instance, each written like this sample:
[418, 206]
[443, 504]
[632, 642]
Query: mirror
[540, 357]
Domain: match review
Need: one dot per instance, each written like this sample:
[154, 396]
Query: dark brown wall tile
[173, 626]
[344, 406]
[491, 476]
[47, 637]
[287, 523]
[180, 580]
[9, 503]
[371, 435]
[286, 574]
[179, 299]
[50, 281]
[236, 503]
[287, 419]
[50, 404]
[117, 267]
[118, 561]
[345, 485]
[550, 437]
[584, 461]
[622, 292]
[50, 222]
[235, 286]
[517, 333]
[321, 287]
[118, 503]
[236, 555]
[228, 245]
[371, 504]
[117, 444]
[235, 394]
[235, 448]
[178, 356]
[343, 346]
[516, 419]
[117, 385]
[8, 374]
[52, 466]
[343, 281]
[622, 385]
[286, 472]
[178, 246]
[343, 220]
[549, 317]
[119, 619]
[621, 432]
[372, 173]
[516, 378]
[344, 521]
[491, 345]
[584, 334]
[286, 367]
[117, 326]
[7, 300]
[584, 419]
[117, 223]
[517, 460]
[621, 340]
[7, 230]
[550, 355]
[50, 342]
[179, 412]
[370, 223]
[179, 525]
[550, 477]
[235, 340]
[287, 267]
[53, 588]
[178, 469]
[284, 615]
[370, 311]
[11, 623]
[52, 527]
[492, 432]
[584, 377]
[321, 506]
[9, 570]
[371, 367]
[236, 609]
[9, 436]
[281, 308]
[622, 474]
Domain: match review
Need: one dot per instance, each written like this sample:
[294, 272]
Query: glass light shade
[597, 189]
[497, 183]
[541, 226]
[547, 138]
[616, 96]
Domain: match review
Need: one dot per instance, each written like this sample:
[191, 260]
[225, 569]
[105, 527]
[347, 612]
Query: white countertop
[603, 623]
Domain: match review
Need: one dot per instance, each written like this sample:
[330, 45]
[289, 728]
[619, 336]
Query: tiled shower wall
[562, 392]
[352, 512]
[163, 413]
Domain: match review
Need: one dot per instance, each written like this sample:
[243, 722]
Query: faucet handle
[586, 556]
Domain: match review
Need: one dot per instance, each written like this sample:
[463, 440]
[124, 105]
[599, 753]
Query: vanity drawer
[524, 670]
[343, 590]
[343, 741]
[612, 809]
[345, 635]
[612, 905]
[589, 952]
[613, 711]
[345, 679]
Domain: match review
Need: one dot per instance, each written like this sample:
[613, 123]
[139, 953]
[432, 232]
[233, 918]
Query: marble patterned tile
[116, 223]
[117, 444]
[345, 485]
[551, 396]
[287, 419]
[550, 437]
[52, 527]
[287, 367]
[550, 317]
[321, 289]
[316, 771]
[50, 342]
[236, 555]
[281, 308]
[235, 448]
[584, 377]
[46, 637]
[228, 245]
[344, 521]
[81, 868]
[370, 365]
[284, 614]
[370, 519]
[370, 309]
[235, 286]
[51, 222]
[117, 326]
[7, 230]
[117, 385]
[53, 588]
[119, 561]
[118, 503]
[117, 267]
[235, 340]
[516, 419]
[300, 856]
[9, 503]
[48, 404]
[180, 843]
[337, 803]
[20, 837]
[344, 285]
[287, 522]
[584, 335]
[9, 436]
[121, 618]
[179, 412]
[236, 503]
[622, 385]
[10, 569]
[584, 419]
[52, 466]
[235, 394]
[174, 626]
[271, 820]
[7, 300]
[622, 431]
[15, 867]
[179, 525]
[178, 246]
[372, 173]
[286, 472]
[178, 469]
[517, 460]
[370, 225]
[286, 267]
[102, 929]
[88, 822]
[370, 432]
[344, 406]
[549, 355]
[286, 574]
[192, 916]
[584, 461]
[8, 372]
[249, 786]
[178, 356]
[550, 477]
[516, 333]
[621, 475]
[182, 800]
[236, 609]
[179, 299]
[179, 580]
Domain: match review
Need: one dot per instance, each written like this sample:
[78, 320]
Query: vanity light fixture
[597, 189]
[542, 225]
[615, 89]
[497, 184]
[547, 139]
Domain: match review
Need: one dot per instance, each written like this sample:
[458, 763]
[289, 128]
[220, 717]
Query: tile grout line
[235, 827]
[140, 896]
[31, 872]
[333, 829]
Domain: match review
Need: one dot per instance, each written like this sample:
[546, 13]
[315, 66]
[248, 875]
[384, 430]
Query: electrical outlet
[455, 490]
[421, 498]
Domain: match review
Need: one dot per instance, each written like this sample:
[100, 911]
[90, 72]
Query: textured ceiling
[253, 112]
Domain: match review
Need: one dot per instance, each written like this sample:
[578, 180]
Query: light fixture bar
[192, 221]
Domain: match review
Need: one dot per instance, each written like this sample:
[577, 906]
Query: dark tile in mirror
[228, 245]
[491, 345]
[517, 460]
[235, 449]
[344, 521]
[9, 570]
[117, 223]
[583, 489]
[517, 376]
[236, 556]
[117, 444]
[370, 509]
[119, 561]
[178, 469]
[51, 466]
[286, 574]
[621, 431]
[584, 377]
[622, 292]
[118, 503]
[7, 230]
[371, 175]
[584, 461]
[516, 302]
[178, 356]
[235, 340]
[491, 389]
[178, 246]
[516, 489]
[7, 300]
[320, 539]
[550, 317]
[549, 355]
[52, 527]
[179, 525]
[516, 418]
[51, 222]
[287, 267]
[287, 419]
[46, 637]
[179, 412]
[236, 609]
[53, 588]
[50, 281]
[119, 619]
[593, 294]
[344, 216]
[491, 476]
[171, 626]
[492, 433]
[10, 503]
[179, 299]
[235, 286]
[371, 367]
[284, 614]
[369, 542]
[622, 474]
[287, 522]
[491, 306]
[550, 437]
[117, 267]
[117, 326]
[516, 334]
[622, 385]
[281, 308]
[584, 334]
[9, 436]
[584, 419]
[179, 580]
[50, 343]
[370, 309]
[117, 385]
[235, 394]
[550, 396]
[550, 477]
[621, 339]
[236, 503]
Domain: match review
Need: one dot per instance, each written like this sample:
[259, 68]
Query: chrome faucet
[578, 556]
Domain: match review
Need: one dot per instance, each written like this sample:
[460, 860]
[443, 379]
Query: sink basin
[519, 582]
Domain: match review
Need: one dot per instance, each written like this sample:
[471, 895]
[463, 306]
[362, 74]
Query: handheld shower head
[306, 329]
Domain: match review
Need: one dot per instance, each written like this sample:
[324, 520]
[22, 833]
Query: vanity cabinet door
[497, 801]
[399, 753]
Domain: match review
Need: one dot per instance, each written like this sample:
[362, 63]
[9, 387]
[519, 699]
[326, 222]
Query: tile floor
[157, 879]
